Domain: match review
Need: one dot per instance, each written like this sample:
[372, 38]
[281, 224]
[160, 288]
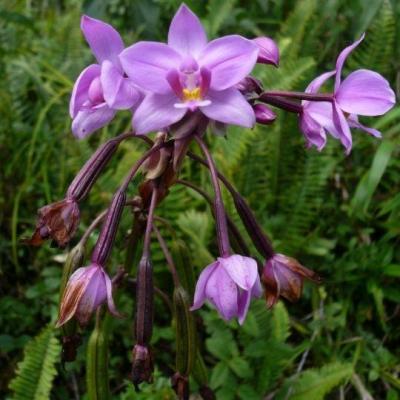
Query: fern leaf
[316, 384]
[35, 373]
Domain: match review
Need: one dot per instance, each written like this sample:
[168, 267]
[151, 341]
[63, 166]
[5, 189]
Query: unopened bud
[250, 86]
[87, 176]
[109, 229]
[144, 303]
[253, 228]
[264, 115]
[268, 51]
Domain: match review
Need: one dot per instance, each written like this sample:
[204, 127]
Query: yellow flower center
[191, 95]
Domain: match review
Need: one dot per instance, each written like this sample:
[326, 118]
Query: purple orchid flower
[87, 289]
[229, 284]
[101, 89]
[189, 74]
[363, 92]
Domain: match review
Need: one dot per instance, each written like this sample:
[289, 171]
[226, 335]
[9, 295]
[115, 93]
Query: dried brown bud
[284, 276]
[58, 221]
[142, 365]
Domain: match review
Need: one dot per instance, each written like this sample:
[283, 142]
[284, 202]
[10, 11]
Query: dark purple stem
[299, 95]
[167, 256]
[139, 163]
[286, 105]
[149, 226]
[249, 220]
[220, 216]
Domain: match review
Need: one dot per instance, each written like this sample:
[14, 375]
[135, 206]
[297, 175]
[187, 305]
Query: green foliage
[36, 372]
[316, 384]
[337, 215]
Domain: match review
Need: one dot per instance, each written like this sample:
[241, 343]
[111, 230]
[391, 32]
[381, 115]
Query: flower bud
[283, 276]
[109, 229]
[144, 303]
[253, 228]
[58, 221]
[268, 51]
[249, 86]
[142, 365]
[264, 115]
[87, 176]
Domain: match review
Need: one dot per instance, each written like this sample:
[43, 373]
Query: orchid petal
[147, 64]
[342, 127]
[242, 270]
[110, 302]
[256, 290]
[104, 41]
[119, 93]
[312, 130]
[342, 58]
[243, 305]
[186, 33]
[365, 92]
[230, 107]
[156, 112]
[87, 121]
[223, 293]
[316, 84]
[200, 291]
[355, 123]
[81, 88]
[321, 112]
[230, 59]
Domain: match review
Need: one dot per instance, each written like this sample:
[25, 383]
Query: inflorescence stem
[220, 216]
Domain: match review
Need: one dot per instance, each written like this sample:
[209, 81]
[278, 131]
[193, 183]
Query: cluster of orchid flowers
[178, 90]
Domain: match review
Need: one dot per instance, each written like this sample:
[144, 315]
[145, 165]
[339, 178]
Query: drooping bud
[268, 51]
[284, 276]
[264, 115]
[58, 221]
[252, 226]
[142, 365]
[207, 393]
[144, 303]
[108, 232]
[87, 289]
[87, 176]
[250, 86]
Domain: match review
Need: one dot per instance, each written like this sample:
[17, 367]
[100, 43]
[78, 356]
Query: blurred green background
[338, 215]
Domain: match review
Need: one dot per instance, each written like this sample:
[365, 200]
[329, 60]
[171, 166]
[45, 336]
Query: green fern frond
[35, 373]
[316, 384]
[378, 48]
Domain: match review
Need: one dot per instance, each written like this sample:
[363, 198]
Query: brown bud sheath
[180, 384]
[142, 365]
[86, 177]
[144, 304]
[109, 229]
